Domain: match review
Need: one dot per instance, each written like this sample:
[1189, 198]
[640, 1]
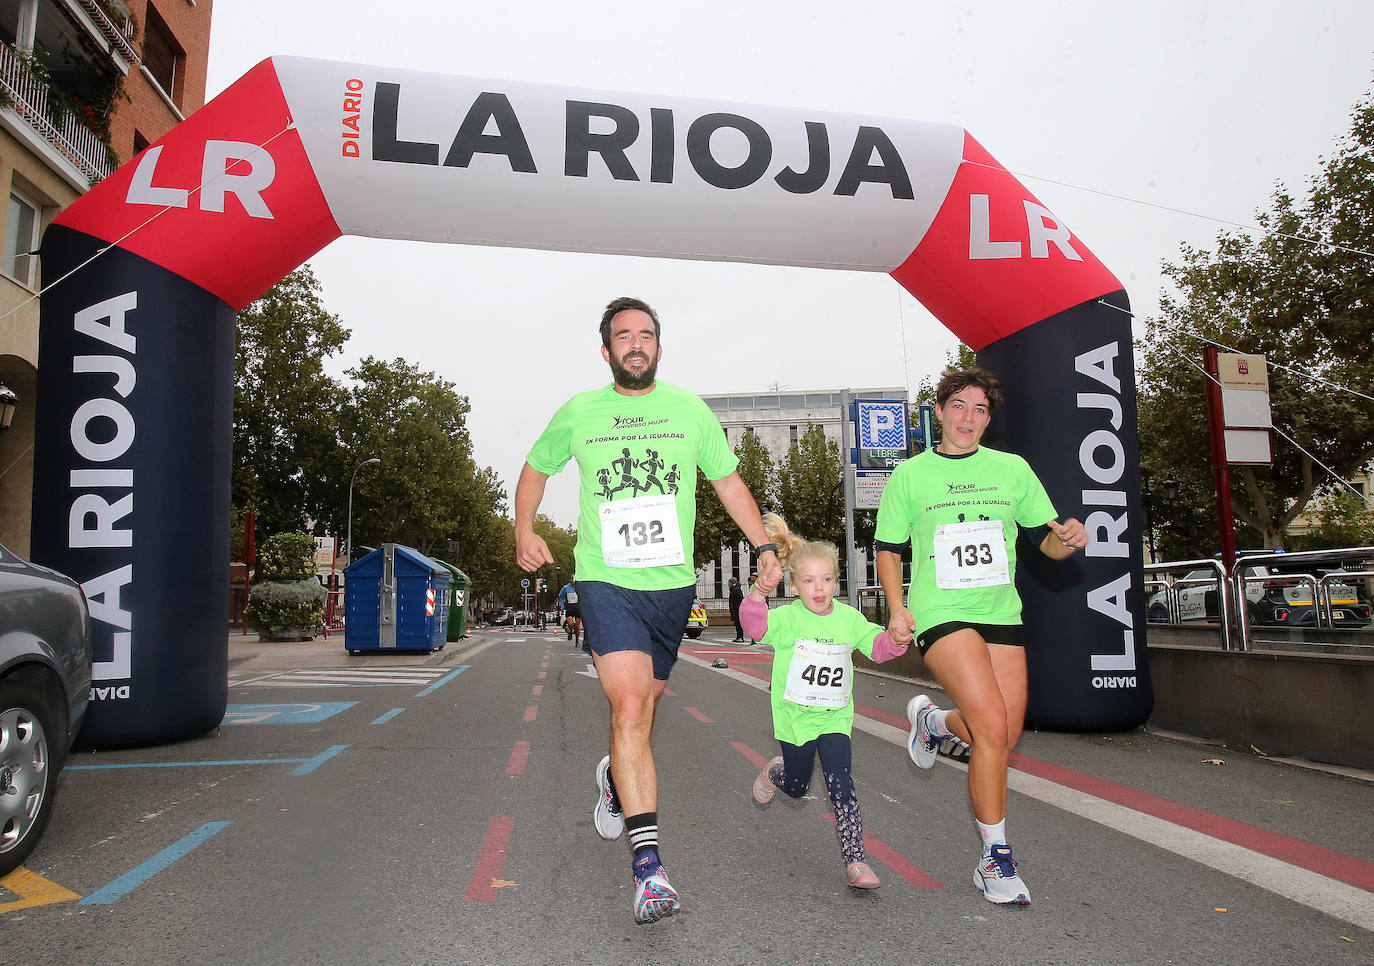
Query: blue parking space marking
[140, 874]
[309, 766]
[388, 716]
[443, 680]
[301, 712]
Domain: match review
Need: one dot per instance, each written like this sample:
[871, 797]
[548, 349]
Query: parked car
[1273, 599]
[696, 620]
[45, 684]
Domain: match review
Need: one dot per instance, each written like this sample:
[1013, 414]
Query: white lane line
[1311, 889]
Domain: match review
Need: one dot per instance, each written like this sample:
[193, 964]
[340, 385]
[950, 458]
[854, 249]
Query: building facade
[779, 419]
[84, 86]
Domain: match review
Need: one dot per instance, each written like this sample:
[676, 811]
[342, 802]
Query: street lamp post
[350, 503]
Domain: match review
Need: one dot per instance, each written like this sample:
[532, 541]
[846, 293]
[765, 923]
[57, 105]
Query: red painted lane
[670, 692]
[537, 690]
[531, 713]
[754, 757]
[884, 853]
[519, 757]
[698, 715]
[543, 675]
[1314, 858]
[491, 861]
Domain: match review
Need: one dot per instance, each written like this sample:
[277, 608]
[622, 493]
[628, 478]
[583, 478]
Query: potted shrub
[287, 604]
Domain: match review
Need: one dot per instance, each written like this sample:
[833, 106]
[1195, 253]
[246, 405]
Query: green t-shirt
[930, 491]
[797, 723]
[644, 449]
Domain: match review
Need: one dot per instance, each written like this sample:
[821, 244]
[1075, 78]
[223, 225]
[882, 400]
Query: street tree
[285, 405]
[810, 488]
[714, 530]
[428, 488]
[1299, 291]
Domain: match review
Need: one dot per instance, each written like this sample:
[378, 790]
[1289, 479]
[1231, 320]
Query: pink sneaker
[763, 785]
[860, 875]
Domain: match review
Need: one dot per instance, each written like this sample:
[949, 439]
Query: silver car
[45, 684]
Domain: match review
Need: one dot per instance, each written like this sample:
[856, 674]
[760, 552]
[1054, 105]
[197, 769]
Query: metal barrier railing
[1172, 588]
[1321, 604]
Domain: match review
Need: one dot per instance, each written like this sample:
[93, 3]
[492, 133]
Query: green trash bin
[458, 602]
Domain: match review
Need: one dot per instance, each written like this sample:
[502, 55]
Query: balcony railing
[71, 138]
[118, 36]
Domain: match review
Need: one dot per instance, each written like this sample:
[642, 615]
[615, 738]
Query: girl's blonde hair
[792, 549]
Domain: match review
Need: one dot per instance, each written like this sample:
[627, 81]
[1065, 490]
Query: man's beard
[626, 379]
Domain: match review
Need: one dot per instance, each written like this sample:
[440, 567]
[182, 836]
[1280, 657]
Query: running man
[633, 558]
[960, 505]
[572, 613]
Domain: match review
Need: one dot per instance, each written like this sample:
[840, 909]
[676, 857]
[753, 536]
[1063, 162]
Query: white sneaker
[921, 745]
[607, 817]
[655, 898]
[996, 876]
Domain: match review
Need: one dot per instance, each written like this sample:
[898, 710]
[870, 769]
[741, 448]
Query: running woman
[813, 639]
[960, 505]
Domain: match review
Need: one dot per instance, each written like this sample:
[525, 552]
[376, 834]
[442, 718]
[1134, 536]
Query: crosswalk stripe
[340, 677]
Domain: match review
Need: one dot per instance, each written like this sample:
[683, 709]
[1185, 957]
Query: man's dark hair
[961, 379]
[622, 304]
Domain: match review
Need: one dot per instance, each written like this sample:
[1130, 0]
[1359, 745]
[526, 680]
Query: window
[792, 435]
[21, 239]
[162, 55]
[140, 142]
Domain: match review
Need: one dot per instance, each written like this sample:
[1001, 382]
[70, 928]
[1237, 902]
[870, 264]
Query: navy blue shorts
[620, 619]
[572, 610]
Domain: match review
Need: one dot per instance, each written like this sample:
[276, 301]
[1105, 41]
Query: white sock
[995, 834]
[940, 729]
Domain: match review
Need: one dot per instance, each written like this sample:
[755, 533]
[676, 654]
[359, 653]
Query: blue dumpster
[395, 599]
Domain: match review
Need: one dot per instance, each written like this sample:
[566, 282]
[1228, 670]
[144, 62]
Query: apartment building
[84, 86]
[779, 419]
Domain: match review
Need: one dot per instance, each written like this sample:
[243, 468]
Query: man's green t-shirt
[931, 491]
[795, 723]
[637, 457]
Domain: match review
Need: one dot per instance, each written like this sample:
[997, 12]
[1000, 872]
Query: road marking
[1299, 871]
[33, 890]
[296, 713]
[537, 690]
[698, 715]
[340, 678]
[308, 766]
[531, 712]
[388, 716]
[519, 757]
[916, 877]
[589, 673]
[443, 680]
[487, 877]
[885, 854]
[140, 874]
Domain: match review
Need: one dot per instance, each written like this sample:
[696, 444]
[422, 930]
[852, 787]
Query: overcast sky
[1197, 106]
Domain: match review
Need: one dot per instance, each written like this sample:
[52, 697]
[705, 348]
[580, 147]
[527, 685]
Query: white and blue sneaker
[921, 744]
[996, 876]
[607, 816]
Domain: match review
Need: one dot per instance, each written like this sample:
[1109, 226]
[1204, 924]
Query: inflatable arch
[147, 271]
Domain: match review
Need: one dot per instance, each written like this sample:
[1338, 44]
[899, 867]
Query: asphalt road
[437, 809]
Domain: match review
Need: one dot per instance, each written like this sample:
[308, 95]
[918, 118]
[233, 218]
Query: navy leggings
[793, 778]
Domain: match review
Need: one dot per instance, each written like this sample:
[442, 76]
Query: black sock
[642, 831]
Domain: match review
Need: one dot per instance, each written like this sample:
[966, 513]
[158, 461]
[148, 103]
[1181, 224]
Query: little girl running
[813, 711]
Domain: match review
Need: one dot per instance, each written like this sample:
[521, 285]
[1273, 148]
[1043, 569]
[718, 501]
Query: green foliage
[810, 488]
[428, 488]
[282, 605]
[1342, 519]
[287, 556]
[1310, 309]
[287, 461]
[714, 529]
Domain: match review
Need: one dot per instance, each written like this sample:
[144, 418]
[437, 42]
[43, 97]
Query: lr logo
[253, 171]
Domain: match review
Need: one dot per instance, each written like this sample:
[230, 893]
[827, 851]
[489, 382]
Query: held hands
[901, 626]
[1071, 534]
[770, 573]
